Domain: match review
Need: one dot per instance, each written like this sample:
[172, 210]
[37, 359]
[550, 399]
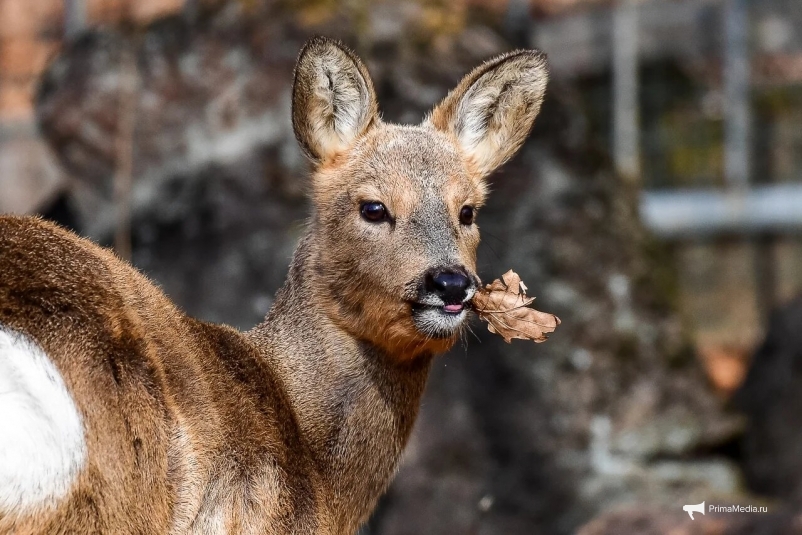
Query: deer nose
[451, 285]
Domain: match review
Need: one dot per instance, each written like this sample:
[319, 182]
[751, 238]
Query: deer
[122, 414]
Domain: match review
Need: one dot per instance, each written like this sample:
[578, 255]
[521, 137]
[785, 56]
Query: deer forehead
[411, 168]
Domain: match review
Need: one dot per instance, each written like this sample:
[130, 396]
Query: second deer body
[120, 414]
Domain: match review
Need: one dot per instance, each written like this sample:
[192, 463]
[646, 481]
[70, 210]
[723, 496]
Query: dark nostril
[450, 285]
[444, 281]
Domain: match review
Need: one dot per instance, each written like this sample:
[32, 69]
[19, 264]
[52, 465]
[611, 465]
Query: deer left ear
[333, 101]
[491, 111]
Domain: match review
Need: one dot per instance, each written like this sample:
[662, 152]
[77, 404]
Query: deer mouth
[439, 320]
[453, 309]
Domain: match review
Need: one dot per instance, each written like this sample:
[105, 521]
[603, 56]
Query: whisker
[491, 235]
[468, 328]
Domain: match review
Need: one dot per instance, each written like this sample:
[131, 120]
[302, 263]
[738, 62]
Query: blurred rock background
[175, 114]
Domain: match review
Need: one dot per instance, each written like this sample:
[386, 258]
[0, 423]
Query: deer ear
[333, 101]
[491, 111]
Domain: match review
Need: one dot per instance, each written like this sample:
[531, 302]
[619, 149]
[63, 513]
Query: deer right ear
[333, 101]
[492, 109]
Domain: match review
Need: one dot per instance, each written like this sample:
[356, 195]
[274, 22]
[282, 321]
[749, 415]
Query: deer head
[395, 207]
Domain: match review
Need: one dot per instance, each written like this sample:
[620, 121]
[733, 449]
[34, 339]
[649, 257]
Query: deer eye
[375, 212]
[466, 215]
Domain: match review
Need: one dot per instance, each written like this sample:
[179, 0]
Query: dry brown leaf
[504, 305]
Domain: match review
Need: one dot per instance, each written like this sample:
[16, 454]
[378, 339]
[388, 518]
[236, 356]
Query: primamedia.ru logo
[701, 508]
[737, 509]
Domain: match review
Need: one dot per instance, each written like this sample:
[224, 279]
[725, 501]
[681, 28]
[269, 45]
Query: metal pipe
[736, 94]
[626, 116]
[74, 18]
[695, 213]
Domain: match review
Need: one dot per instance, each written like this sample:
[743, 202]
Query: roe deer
[120, 414]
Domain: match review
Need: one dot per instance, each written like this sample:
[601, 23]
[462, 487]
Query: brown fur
[296, 426]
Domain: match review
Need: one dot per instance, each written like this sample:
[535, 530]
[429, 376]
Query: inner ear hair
[333, 100]
[491, 111]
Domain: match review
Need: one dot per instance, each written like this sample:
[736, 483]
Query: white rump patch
[42, 445]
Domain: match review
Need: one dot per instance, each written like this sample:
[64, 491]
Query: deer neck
[355, 405]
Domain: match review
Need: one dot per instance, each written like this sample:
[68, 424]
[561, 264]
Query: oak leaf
[504, 305]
